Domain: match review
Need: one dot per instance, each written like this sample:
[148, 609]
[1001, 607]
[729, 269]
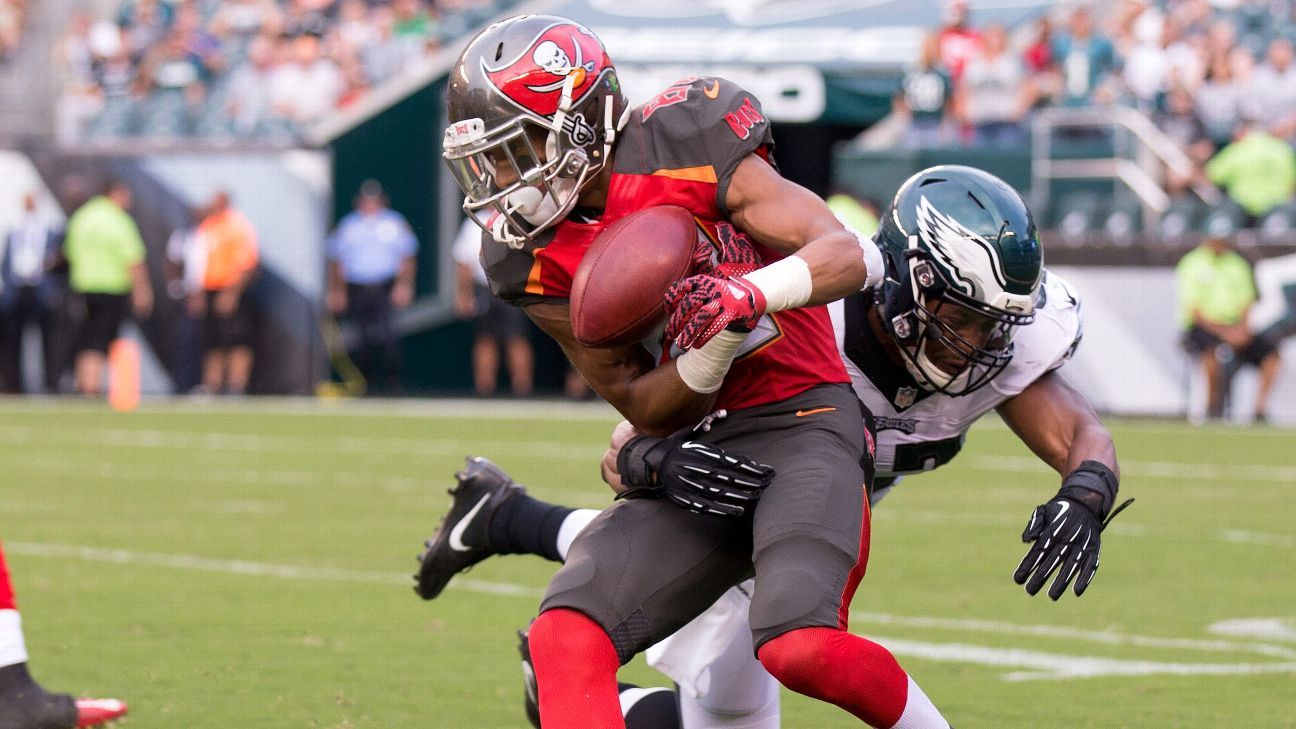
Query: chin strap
[564, 103]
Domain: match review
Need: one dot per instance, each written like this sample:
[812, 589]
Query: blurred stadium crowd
[242, 69]
[12, 14]
[1217, 78]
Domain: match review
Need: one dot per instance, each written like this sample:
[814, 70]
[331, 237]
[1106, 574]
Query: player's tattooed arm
[786, 217]
[654, 399]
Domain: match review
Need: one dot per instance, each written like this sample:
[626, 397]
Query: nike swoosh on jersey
[813, 411]
[456, 534]
[712, 91]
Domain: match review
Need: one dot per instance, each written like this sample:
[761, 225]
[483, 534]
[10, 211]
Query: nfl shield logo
[905, 397]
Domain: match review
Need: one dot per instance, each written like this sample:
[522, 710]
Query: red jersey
[681, 148]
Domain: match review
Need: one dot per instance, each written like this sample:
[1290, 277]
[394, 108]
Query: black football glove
[1066, 531]
[696, 476]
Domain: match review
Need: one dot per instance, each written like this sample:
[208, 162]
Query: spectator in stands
[498, 328]
[355, 29]
[81, 98]
[414, 19]
[1181, 123]
[12, 14]
[144, 24]
[243, 20]
[370, 277]
[107, 269]
[387, 55]
[926, 97]
[201, 47]
[994, 94]
[230, 244]
[1085, 59]
[307, 86]
[1038, 55]
[29, 295]
[250, 106]
[1219, 100]
[357, 83]
[1167, 60]
[1216, 291]
[1258, 170]
[956, 41]
[173, 80]
[307, 17]
[1273, 90]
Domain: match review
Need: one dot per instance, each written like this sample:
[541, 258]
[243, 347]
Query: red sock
[6, 587]
[576, 668]
[843, 669]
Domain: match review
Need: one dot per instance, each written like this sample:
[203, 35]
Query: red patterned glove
[737, 256]
[702, 306]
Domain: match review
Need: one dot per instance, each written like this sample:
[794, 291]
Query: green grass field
[233, 566]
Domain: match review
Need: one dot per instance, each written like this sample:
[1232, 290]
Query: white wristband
[786, 284]
[703, 369]
[872, 260]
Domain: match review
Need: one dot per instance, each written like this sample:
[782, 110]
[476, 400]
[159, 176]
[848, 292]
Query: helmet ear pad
[895, 299]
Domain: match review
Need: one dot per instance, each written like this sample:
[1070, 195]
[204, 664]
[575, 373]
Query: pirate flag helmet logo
[534, 106]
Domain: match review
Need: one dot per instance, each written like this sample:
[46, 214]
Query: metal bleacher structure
[1121, 148]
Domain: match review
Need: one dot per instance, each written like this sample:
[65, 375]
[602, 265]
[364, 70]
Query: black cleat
[531, 698]
[462, 540]
[25, 705]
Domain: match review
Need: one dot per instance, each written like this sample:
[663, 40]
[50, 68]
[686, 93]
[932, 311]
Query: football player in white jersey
[966, 321]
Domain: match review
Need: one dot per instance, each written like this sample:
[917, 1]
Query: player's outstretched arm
[655, 400]
[1060, 426]
[788, 218]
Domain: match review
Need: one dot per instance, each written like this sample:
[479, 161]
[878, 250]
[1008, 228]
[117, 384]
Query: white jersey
[919, 430]
[721, 686]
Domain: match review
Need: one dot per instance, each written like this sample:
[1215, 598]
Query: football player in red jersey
[24, 704]
[548, 153]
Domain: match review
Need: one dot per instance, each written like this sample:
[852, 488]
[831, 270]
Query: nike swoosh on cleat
[456, 534]
[813, 411]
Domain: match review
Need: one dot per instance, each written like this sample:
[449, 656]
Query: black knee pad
[799, 584]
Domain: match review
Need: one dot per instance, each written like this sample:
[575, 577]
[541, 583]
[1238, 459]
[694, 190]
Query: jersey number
[910, 457]
[676, 94]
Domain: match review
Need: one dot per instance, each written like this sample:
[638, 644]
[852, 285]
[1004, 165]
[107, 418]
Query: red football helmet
[534, 106]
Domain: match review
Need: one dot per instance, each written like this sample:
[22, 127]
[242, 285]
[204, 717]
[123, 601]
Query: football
[617, 295]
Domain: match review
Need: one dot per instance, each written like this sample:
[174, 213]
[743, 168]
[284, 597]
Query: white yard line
[1041, 665]
[464, 408]
[1107, 637]
[18, 435]
[255, 569]
[1241, 536]
[1055, 666]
